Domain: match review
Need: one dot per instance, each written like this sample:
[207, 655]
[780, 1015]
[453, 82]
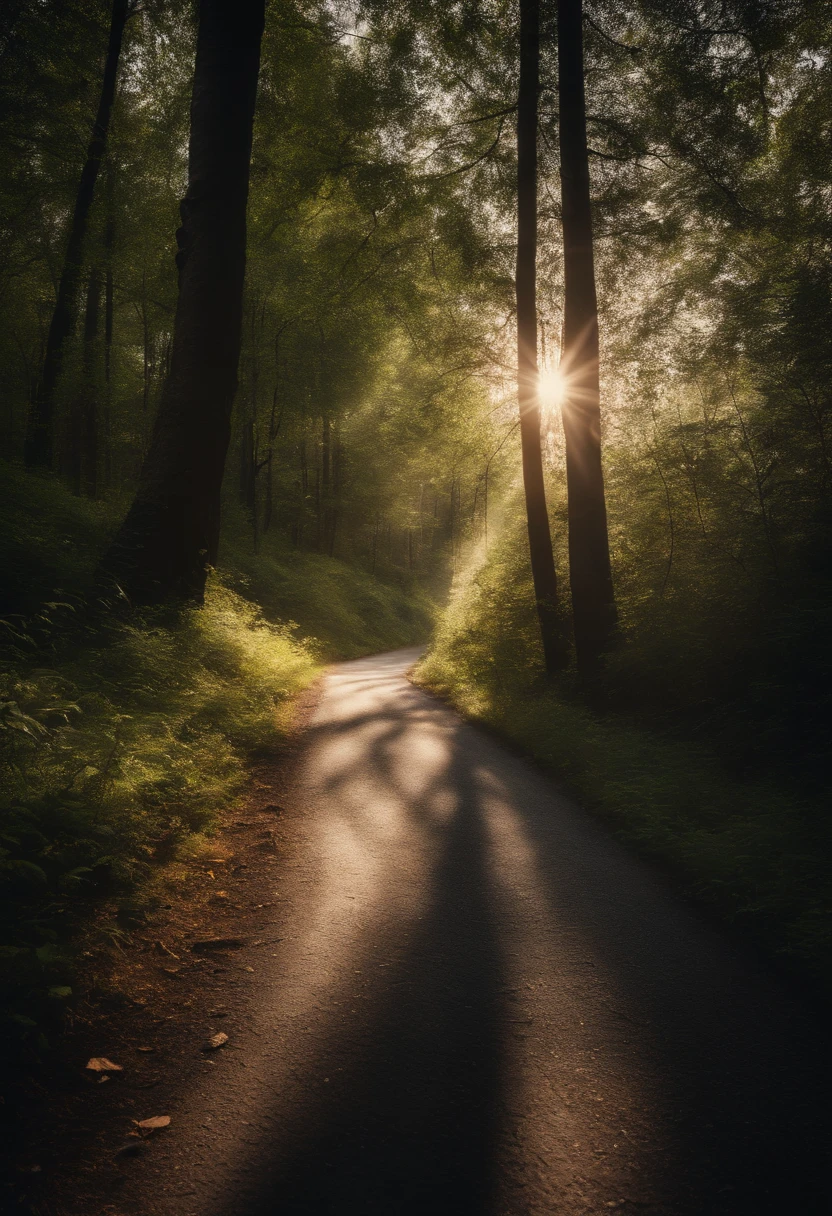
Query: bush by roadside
[757, 850]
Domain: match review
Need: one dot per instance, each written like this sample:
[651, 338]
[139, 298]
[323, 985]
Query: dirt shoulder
[187, 973]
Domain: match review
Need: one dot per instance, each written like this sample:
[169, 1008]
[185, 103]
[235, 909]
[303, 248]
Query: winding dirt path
[478, 1003]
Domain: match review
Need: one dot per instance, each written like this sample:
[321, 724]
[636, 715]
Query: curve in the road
[483, 1005]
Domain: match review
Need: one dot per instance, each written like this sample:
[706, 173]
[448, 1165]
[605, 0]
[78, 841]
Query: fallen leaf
[102, 1064]
[148, 1126]
[145, 1049]
[216, 1041]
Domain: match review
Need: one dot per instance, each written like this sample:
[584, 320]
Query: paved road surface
[483, 1006]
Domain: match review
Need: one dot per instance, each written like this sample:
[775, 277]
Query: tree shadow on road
[413, 1117]
[409, 1126]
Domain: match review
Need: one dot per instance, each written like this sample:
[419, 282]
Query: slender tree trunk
[82, 428]
[335, 486]
[326, 482]
[146, 355]
[89, 410]
[39, 447]
[304, 492]
[593, 601]
[248, 465]
[171, 534]
[537, 516]
[275, 420]
[109, 245]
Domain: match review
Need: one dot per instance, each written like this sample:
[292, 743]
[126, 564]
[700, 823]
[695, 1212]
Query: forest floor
[450, 991]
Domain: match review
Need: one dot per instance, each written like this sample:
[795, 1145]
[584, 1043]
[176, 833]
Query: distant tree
[171, 533]
[540, 541]
[593, 601]
[39, 447]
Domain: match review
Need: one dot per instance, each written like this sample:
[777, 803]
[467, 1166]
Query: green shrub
[759, 851]
[122, 739]
[115, 752]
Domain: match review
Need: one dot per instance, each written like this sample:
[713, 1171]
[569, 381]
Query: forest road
[477, 1002]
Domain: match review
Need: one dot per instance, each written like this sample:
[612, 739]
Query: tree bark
[86, 471]
[109, 294]
[593, 601]
[171, 534]
[537, 517]
[39, 446]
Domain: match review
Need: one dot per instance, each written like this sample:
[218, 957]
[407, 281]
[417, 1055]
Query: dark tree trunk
[540, 539]
[39, 447]
[593, 601]
[80, 462]
[88, 413]
[109, 245]
[337, 478]
[248, 466]
[326, 483]
[171, 534]
[275, 420]
[304, 492]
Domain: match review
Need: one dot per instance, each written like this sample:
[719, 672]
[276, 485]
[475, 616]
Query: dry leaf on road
[102, 1064]
[148, 1126]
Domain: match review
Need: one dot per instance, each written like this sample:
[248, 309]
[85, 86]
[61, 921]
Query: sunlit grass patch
[116, 755]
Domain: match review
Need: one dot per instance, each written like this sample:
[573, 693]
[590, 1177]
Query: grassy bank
[122, 740]
[759, 852]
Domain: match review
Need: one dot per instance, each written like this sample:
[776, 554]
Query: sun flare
[551, 387]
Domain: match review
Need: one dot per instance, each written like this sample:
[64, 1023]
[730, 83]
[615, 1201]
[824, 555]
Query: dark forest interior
[328, 329]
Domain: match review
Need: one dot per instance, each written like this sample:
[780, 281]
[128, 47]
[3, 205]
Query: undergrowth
[758, 851]
[123, 737]
[111, 757]
[348, 611]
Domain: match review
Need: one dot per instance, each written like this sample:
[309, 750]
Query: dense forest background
[373, 484]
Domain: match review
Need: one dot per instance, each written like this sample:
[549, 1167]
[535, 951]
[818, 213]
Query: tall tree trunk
[248, 466]
[39, 446]
[593, 601]
[89, 401]
[337, 480]
[537, 517]
[109, 245]
[171, 534]
[82, 424]
[326, 482]
[275, 420]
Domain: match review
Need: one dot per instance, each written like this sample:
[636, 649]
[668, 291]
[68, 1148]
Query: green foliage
[117, 750]
[122, 738]
[342, 611]
[757, 848]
